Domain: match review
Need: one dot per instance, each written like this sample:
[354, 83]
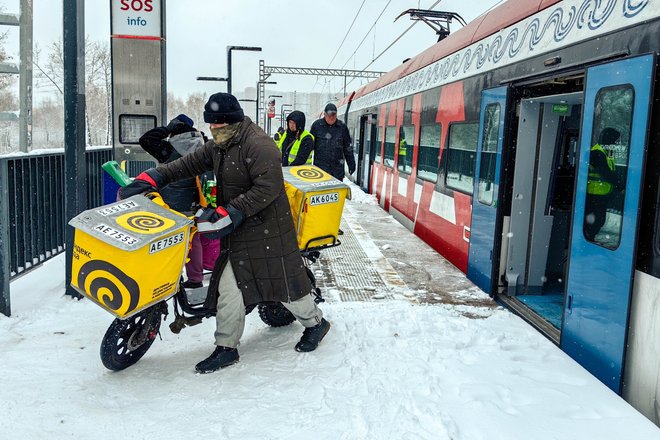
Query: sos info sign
[136, 18]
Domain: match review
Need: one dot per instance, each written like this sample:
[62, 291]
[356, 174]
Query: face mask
[221, 136]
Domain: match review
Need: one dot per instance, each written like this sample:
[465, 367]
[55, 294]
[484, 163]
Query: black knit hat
[223, 108]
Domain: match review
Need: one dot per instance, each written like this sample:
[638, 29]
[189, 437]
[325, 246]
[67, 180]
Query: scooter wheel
[275, 315]
[121, 346]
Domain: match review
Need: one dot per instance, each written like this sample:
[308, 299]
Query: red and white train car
[481, 145]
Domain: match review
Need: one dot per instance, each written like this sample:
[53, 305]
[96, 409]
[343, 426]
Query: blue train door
[481, 257]
[605, 219]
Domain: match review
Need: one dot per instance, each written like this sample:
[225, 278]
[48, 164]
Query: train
[483, 146]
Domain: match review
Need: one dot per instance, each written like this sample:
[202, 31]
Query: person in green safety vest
[403, 151]
[601, 183]
[296, 144]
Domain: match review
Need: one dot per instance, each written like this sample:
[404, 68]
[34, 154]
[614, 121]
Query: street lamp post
[229, 50]
[210, 78]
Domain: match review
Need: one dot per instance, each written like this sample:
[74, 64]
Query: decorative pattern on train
[567, 23]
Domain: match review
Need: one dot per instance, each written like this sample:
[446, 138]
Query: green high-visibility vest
[596, 183]
[293, 152]
[403, 148]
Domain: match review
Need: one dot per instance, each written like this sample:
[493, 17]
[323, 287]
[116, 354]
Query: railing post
[5, 305]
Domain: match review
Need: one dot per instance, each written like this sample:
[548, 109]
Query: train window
[406, 142]
[489, 154]
[132, 127]
[379, 138]
[390, 140]
[608, 165]
[429, 152]
[461, 153]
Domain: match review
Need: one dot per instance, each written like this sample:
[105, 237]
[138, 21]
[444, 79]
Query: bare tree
[48, 126]
[6, 80]
[98, 74]
[98, 83]
[193, 107]
[8, 100]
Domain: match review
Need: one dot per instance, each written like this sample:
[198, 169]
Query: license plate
[165, 243]
[322, 199]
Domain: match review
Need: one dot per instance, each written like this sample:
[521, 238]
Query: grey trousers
[230, 315]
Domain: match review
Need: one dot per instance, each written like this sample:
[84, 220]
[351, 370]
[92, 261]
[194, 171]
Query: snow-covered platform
[379, 259]
[415, 352]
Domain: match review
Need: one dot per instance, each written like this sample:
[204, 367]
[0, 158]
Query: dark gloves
[222, 220]
[145, 182]
[159, 132]
[174, 126]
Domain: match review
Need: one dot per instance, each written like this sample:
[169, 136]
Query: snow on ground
[389, 369]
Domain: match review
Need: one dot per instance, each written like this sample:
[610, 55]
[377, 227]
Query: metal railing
[32, 216]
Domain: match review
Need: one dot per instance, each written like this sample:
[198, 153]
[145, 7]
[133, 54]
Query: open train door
[484, 225]
[366, 151]
[602, 250]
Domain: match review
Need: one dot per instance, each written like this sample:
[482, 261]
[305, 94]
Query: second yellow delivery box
[129, 255]
[317, 202]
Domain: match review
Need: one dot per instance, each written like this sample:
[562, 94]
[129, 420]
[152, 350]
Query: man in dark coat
[332, 144]
[255, 217]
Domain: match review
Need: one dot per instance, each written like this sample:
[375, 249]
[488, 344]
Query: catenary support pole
[25, 77]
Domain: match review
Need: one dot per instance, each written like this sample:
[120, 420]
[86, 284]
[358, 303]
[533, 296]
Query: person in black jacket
[332, 144]
[167, 144]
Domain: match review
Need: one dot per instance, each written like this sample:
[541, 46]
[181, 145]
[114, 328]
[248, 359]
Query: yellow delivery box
[317, 201]
[129, 255]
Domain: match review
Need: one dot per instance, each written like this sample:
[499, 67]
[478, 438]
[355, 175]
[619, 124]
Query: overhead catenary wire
[342, 42]
[367, 34]
[393, 42]
[347, 32]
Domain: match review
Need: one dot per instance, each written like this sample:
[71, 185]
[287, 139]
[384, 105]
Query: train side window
[390, 140]
[429, 152]
[461, 154]
[379, 138]
[487, 170]
[406, 143]
[608, 166]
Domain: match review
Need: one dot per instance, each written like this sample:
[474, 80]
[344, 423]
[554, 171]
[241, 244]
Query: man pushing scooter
[253, 217]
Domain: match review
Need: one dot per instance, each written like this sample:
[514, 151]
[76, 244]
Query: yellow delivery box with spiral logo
[317, 202]
[129, 255]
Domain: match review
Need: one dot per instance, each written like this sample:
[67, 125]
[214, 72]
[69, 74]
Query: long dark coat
[263, 251]
[332, 148]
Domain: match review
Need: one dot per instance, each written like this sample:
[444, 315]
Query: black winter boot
[220, 358]
[312, 336]
[192, 284]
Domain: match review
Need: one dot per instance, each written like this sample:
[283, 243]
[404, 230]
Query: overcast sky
[299, 33]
